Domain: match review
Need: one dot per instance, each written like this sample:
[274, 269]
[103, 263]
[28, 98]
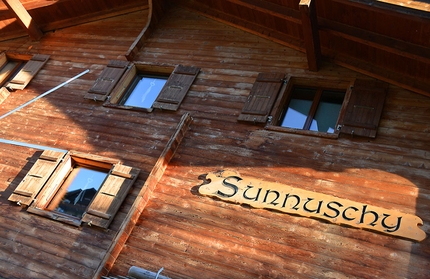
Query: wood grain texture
[192, 236]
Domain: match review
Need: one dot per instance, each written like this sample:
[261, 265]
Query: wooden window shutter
[107, 80]
[106, 203]
[127, 78]
[364, 108]
[262, 97]
[3, 71]
[7, 69]
[176, 88]
[3, 60]
[36, 178]
[4, 93]
[30, 69]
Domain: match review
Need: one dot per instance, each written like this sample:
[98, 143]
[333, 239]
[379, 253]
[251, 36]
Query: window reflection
[82, 184]
[313, 109]
[327, 111]
[143, 91]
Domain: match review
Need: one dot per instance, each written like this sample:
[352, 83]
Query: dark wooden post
[310, 32]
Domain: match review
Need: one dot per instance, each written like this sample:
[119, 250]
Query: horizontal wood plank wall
[384, 43]
[198, 237]
[189, 235]
[35, 247]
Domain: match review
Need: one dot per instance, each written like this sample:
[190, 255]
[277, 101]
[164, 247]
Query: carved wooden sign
[230, 186]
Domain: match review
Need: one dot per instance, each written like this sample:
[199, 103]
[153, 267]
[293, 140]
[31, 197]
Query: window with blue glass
[315, 106]
[143, 91]
[79, 189]
[143, 87]
[313, 109]
[75, 188]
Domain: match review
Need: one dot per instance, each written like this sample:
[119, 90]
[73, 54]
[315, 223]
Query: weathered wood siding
[192, 236]
[189, 235]
[35, 247]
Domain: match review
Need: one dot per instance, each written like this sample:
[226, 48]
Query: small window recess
[9, 67]
[332, 107]
[75, 187]
[143, 91]
[139, 87]
[132, 85]
[310, 107]
[17, 70]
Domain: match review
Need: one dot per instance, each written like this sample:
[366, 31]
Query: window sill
[116, 106]
[302, 132]
[57, 216]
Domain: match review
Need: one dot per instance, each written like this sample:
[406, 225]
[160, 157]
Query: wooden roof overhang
[388, 40]
[19, 18]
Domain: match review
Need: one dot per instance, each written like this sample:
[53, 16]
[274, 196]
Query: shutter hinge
[269, 119]
[339, 126]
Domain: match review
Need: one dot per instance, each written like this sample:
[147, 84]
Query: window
[314, 109]
[143, 91]
[141, 86]
[8, 69]
[79, 188]
[17, 70]
[315, 106]
[75, 187]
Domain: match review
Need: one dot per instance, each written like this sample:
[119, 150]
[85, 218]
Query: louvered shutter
[36, 177]
[364, 108]
[262, 97]
[111, 194]
[7, 71]
[118, 92]
[6, 68]
[3, 60]
[107, 80]
[176, 88]
[4, 93]
[30, 69]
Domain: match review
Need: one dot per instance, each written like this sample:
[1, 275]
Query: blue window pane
[327, 112]
[296, 114]
[298, 108]
[145, 92]
[83, 183]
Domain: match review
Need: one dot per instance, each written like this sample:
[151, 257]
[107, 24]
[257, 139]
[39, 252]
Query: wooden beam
[157, 9]
[143, 197]
[24, 18]
[310, 33]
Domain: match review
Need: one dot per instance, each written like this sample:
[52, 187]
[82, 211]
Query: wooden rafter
[24, 18]
[156, 12]
[310, 33]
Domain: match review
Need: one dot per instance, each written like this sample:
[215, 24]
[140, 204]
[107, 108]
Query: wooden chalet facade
[230, 69]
